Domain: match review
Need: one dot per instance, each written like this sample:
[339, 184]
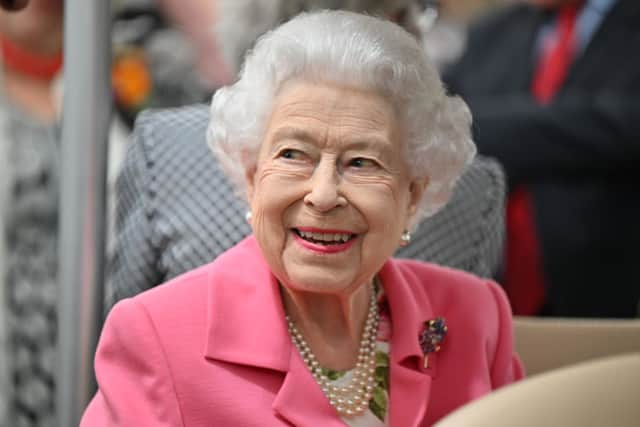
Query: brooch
[431, 337]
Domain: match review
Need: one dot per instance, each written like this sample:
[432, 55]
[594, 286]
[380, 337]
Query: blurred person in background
[31, 60]
[443, 25]
[241, 22]
[30, 66]
[165, 54]
[553, 86]
[196, 19]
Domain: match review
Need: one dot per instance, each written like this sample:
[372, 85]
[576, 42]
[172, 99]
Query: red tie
[524, 274]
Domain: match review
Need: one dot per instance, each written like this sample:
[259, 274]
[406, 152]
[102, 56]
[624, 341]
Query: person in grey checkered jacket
[176, 210]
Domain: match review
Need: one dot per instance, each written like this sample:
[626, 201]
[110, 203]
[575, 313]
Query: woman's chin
[319, 280]
[320, 272]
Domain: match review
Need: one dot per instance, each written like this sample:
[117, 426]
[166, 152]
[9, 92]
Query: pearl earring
[248, 216]
[405, 238]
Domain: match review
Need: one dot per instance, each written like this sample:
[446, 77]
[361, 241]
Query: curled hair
[348, 49]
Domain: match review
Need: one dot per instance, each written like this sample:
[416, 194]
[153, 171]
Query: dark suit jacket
[579, 155]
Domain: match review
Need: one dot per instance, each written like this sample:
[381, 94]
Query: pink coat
[211, 348]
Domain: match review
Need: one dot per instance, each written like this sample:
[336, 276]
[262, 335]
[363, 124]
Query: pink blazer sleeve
[134, 380]
[507, 366]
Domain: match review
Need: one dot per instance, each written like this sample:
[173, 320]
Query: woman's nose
[324, 193]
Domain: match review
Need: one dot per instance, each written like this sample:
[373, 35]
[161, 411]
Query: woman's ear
[416, 191]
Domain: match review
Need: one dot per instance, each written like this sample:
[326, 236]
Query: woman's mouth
[324, 238]
[325, 241]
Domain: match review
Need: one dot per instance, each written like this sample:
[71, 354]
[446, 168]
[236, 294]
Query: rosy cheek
[370, 192]
[278, 179]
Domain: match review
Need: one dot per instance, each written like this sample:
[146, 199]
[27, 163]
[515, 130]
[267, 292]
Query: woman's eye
[361, 162]
[291, 154]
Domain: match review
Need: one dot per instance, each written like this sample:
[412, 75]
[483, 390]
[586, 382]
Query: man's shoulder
[172, 134]
[170, 148]
[174, 120]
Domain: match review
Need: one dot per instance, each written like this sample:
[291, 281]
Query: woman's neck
[332, 325]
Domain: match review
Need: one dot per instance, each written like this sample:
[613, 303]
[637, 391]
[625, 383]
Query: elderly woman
[341, 137]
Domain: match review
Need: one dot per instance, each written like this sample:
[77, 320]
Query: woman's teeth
[325, 238]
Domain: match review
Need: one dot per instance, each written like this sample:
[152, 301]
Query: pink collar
[246, 325]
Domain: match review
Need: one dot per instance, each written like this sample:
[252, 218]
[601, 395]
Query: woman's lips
[324, 241]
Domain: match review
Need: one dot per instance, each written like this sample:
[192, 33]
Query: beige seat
[550, 343]
[603, 392]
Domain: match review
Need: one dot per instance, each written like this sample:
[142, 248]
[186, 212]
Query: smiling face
[331, 193]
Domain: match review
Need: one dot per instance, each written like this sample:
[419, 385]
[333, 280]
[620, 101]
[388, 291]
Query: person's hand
[12, 5]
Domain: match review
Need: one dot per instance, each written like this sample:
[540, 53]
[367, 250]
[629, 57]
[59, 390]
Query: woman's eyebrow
[365, 141]
[369, 141]
[290, 132]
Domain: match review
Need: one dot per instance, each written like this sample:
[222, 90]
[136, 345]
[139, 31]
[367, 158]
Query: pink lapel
[300, 399]
[246, 326]
[410, 383]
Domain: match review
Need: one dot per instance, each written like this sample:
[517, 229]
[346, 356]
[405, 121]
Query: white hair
[349, 49]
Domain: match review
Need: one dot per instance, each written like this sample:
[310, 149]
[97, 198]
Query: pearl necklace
[352, 399]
